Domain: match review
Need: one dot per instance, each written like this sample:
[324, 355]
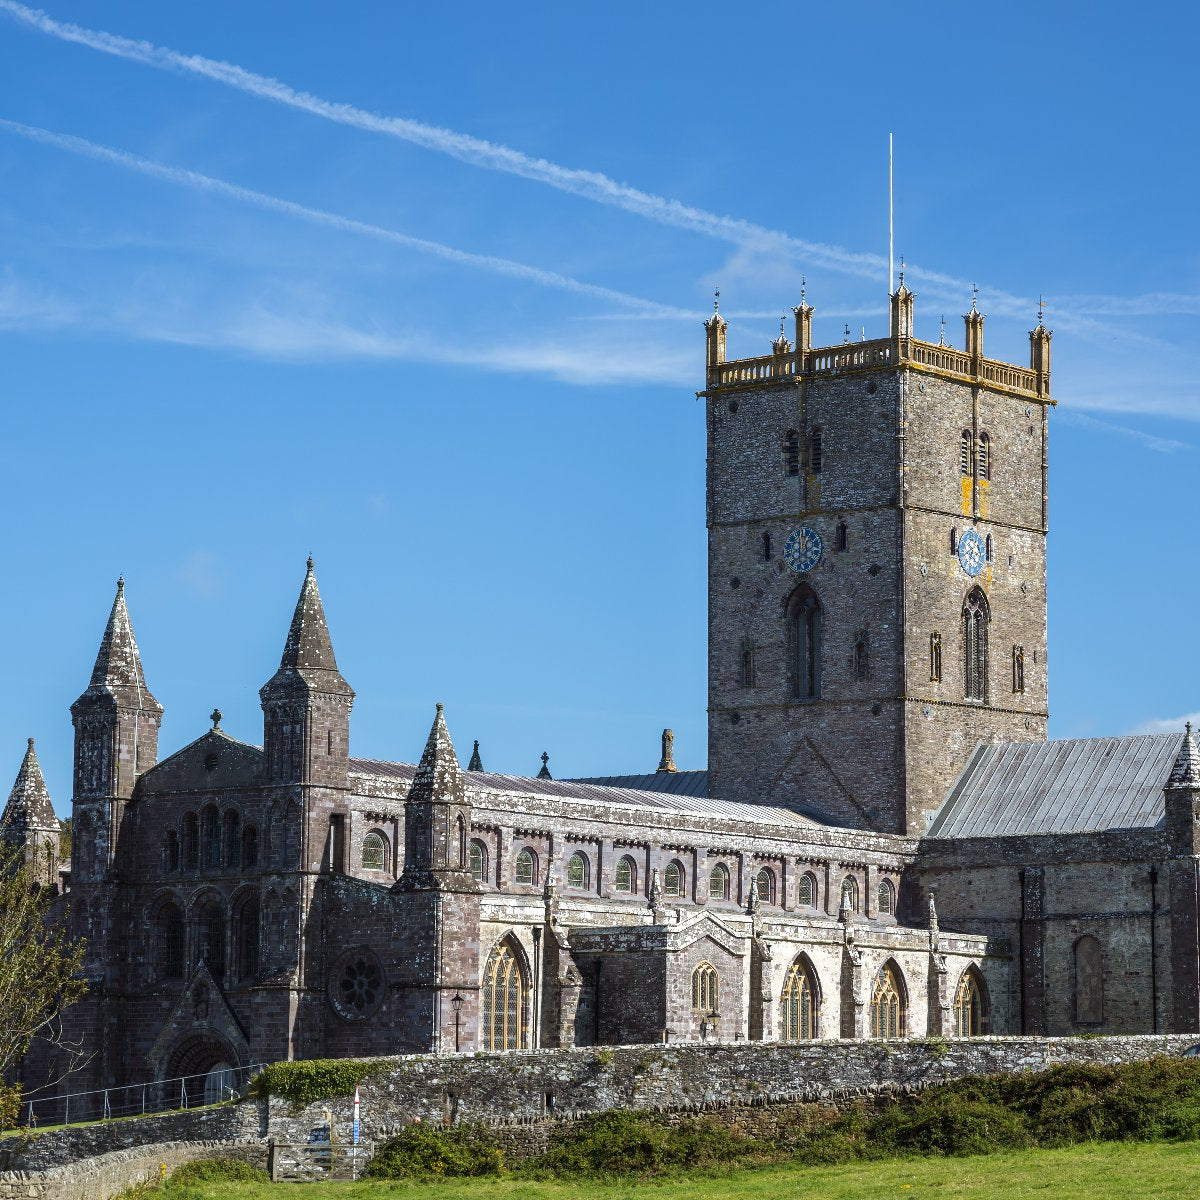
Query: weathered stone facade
[877, 518]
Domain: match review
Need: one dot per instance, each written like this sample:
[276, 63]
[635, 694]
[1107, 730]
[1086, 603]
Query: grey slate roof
[576, 789]
[1079, 785]
[674, 783]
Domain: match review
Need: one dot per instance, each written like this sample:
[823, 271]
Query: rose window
[358, 987]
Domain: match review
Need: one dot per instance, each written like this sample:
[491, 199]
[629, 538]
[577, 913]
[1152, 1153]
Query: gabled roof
[674, 783]
[1078, 785]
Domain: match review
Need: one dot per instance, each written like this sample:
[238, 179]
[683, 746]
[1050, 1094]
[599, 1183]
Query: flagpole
[891, 221]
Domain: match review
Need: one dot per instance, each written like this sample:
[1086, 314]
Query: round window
[356, 985]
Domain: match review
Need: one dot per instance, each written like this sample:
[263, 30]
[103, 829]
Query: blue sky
[418, 289]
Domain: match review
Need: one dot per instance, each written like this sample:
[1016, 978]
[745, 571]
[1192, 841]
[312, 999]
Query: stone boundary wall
[524, 1096]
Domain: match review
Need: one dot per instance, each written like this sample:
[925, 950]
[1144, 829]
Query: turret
[714, 331]
[28, 825]
[116, 739]
[1182, 797]
[1039, 353]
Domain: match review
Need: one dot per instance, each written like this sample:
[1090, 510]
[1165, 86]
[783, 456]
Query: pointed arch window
[674, 879]
[935, 657]
[850, 893]
[705, 985]
[526, 871]
[975, 618]
[984, 456]
[246, 931]
[1018, 670]
[886, 898]
[841, 540]
[989, 549]
[764, 885]
[478, 859]
[505, 1000]
[625, 876]
[577, 870]
[747, 663]
[887, 1004]
[970, 1011]
[805, 630]
[808, 890]
[791, 452]
[718, 882]
[374, 852]
[965, 457]
[798, 1004]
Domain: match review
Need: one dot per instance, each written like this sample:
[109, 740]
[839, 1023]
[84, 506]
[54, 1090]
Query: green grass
[1091, 1172]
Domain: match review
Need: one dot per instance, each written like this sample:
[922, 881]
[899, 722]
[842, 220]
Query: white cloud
[202, 575]
[1168, 724]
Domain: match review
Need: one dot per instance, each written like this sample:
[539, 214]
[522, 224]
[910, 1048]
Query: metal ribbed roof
[1079, 785]
[674, 783]
[576, 789]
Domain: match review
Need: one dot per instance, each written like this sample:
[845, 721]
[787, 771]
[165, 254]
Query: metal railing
[139, 1099]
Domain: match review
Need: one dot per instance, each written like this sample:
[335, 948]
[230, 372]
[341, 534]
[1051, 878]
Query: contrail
[206, 183]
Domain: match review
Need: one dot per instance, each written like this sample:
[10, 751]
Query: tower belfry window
[804, 637]
[965, 455]
[984, 456]
[791, 452]
[816, 452]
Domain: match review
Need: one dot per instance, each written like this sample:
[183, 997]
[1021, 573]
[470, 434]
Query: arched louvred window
[886, 898]
[191, 842]
[791, 452]
[211, 833]
[705, 985]
[966, 462]
[970, 1005]
[374, 852]
[526, 871]
[798, 1003]
[984, 456]
[673, 879]
[850, 893]
[805, 622]
[764, 884]
[477, 853]
[246, 939]
[975, 618]
[172, 933]
[577, 870]
[766, 546]
[816, 452]
[233, 838]
[808, 890]
[625, 876]
[249, 846]
[718, 882]
[505, 999]
[887, 1004]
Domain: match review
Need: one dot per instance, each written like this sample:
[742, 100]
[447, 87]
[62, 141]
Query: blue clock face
[802, 550]
[971, 554]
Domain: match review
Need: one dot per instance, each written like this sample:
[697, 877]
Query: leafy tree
[39, 972]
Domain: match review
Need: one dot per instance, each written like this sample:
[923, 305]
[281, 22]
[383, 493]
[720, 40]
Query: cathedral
[884, 844]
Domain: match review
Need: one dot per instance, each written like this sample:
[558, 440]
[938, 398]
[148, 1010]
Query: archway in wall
[201, 1069]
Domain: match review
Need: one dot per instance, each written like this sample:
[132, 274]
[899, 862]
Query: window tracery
[705, 984]
[887, 1007]
[798, 1004]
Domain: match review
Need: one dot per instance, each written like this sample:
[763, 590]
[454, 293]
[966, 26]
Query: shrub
[217, 1170]
[308, 1080]
[420, 1150]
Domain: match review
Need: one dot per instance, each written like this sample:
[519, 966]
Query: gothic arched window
[808, 890]
[798, 1003]
[577, 870]
[965, 457]
[1018, 669]
[374, 852]
[673, 879]
[625, 876]
[804, 643]
[887, 1004]
[984, 456]
[935, 657]
[886, 898]
[246, 937]
[841, 539]
[850, 893]
[526, 871]
[975, 617]
[970, 1010]
[477, 854]
[705, 983]
[505, 999]
[764, 884]
[718, 882]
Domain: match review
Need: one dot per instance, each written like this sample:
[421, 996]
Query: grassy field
[1090, 1172]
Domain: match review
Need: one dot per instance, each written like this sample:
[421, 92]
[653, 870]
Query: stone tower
[306, 744]
[28, 824]
[116, 740]
[877, 566]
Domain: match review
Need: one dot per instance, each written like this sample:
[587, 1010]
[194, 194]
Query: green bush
[10, 1105]
[420, 1150]
[308, 1080]
[217, 1170]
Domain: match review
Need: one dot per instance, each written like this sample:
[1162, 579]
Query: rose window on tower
[357, 985]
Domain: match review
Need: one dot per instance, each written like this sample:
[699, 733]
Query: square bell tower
[877, 566]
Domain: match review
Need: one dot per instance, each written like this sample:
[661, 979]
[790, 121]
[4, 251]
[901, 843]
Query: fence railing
[139, 1099]
[292, 1162]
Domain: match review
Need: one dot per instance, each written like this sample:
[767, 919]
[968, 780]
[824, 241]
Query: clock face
[802, 550]
[971, 553]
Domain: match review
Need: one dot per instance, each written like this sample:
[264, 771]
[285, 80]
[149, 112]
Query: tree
[39, 971]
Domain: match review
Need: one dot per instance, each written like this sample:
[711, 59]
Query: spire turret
[308, 652]
[29, 804]
[476, 763]
[1185, 773]
[118, 669]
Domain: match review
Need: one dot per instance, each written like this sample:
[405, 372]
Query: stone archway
[205, 1065]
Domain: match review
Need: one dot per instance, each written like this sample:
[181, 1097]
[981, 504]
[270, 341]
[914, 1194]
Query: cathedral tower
[877, 566]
